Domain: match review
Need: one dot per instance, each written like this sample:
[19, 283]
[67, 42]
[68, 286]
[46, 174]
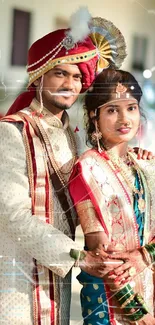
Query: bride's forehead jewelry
[121, 89]
[120, 93]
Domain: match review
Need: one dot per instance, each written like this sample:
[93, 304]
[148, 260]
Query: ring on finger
[132, 271]
[105, 247]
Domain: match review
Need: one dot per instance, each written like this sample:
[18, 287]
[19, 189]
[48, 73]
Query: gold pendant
[141, 204]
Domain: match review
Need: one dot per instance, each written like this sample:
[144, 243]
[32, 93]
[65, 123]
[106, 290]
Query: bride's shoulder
[88, 156]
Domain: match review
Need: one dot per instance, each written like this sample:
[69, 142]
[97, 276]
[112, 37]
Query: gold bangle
[117, 290]
[127, 301]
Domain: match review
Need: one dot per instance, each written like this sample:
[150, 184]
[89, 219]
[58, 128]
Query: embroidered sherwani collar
[50, 118]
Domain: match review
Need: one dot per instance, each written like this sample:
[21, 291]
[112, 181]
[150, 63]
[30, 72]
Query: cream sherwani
[24, 237]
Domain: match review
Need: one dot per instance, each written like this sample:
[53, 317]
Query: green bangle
[151, 250]
[132, 304]
[137, 302]
[126, 290]
[139, 299]
[124, 298]
[136, 315]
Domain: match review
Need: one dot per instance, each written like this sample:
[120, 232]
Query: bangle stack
[129, 300]
[151, 250]
[77, 255]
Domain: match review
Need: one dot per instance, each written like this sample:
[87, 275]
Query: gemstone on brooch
[68, 42]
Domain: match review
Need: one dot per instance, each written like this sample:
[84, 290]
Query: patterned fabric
[88, 218]
[93, 295]
[93, 300]
[113, 206]
[24, 237]
[140, 217]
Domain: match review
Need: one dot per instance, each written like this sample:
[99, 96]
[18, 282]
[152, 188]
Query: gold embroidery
[89, 311]
[101, 315]
[95, 286]
[100, 300]
[88, 299]
[50, 64]
[88, 217]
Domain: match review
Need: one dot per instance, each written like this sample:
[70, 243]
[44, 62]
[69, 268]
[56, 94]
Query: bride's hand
[133, 264]
[108, 264]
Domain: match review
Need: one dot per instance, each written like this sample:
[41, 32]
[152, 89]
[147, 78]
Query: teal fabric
[93, 297]
[93, 300]
[139, 216]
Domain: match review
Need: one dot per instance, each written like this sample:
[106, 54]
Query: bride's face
[119, 121]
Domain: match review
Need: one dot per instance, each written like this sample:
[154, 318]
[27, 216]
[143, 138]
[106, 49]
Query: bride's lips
[124, 130]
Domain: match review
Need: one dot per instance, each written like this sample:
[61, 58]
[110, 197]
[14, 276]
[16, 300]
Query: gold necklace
[55, 165]
[73, 146]
[118, 163]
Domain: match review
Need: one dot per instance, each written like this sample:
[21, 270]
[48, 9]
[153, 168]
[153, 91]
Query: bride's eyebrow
[134, 103]
[116, 106]
[112, 106]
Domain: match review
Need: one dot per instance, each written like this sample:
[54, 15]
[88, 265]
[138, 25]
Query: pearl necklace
[125, 165]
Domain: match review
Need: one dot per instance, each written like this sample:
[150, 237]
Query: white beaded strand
[59, 45]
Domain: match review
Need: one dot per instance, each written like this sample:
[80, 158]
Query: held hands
[92, 264]
[117, 268]
[133, 264]
[98, 263]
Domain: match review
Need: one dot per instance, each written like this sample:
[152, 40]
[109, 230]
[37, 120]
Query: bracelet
[137, 302]
[130, 299]
[76, 264]
[124, 291]
[131, 305]
[137, 315]
[135, 322]
[151, 250]
[140, 300]
[140, 312]
[126, 296]
[77, 255]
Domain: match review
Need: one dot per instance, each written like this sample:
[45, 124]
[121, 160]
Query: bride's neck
[119, 149]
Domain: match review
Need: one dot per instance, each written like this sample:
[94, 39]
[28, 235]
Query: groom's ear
[37, 82]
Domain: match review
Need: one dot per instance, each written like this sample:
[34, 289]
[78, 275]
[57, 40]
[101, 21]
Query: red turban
[49, 51]
[58, 47]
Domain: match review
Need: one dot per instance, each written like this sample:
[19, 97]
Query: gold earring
[96, 137]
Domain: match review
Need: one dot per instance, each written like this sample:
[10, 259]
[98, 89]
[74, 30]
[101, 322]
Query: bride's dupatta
[113, 201]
